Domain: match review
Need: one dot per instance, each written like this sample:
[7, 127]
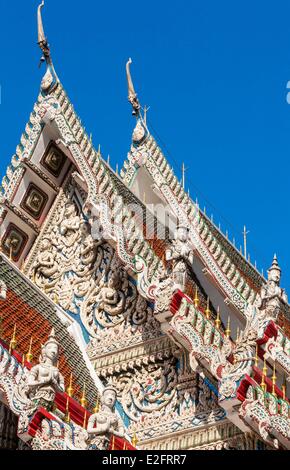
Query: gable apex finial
[132, 95]
[42, 41]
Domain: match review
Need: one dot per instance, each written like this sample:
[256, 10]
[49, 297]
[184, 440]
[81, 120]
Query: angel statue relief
[44, 379]
[103, 425]
[179, 258]
[272, 295]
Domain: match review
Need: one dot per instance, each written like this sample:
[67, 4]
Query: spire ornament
[83, 400]
[218, 319]
[42, 41]
[29, 355]
[13, 342]
[207, 312]
[132, 95]
[50, 80]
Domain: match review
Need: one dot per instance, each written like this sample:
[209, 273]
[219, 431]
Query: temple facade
[128, 320]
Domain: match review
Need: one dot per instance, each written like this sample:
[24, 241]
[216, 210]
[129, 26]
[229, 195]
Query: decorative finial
[184, 170]
[146, 109]
[274, 381]
[218, 319]
[50, 80]
[29, 355]
[13, 342]
[70, 390]
[42, 41]
[196, 298]
[132, 95]
[228, 330]
[263, 383]
[245, 233]
[265, 370]
[207, 312]
[83, 400]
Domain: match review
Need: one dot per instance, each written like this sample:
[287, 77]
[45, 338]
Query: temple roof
[229, 264]
[240, 272]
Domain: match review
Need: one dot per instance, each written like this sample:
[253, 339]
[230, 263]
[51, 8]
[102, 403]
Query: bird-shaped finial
[132, 95]
[42, 41]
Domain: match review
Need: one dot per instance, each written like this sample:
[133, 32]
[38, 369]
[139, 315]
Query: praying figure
[180, 256]
[272, 295]
[106, 422]
[44, 379]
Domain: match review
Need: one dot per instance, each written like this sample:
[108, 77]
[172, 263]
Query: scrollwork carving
[84, 275]
[148, 386]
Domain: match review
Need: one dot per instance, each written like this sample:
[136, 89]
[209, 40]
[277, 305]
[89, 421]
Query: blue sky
[214, 75]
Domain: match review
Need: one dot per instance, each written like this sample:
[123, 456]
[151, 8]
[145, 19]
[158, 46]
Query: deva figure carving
[272, 295]
[46, 264]
[105, 423]
[71, 221]
[44, 380]
[112, 296]
[180, 258]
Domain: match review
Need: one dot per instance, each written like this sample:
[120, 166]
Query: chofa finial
[132, 95]
[42, 41]
[50, 80]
